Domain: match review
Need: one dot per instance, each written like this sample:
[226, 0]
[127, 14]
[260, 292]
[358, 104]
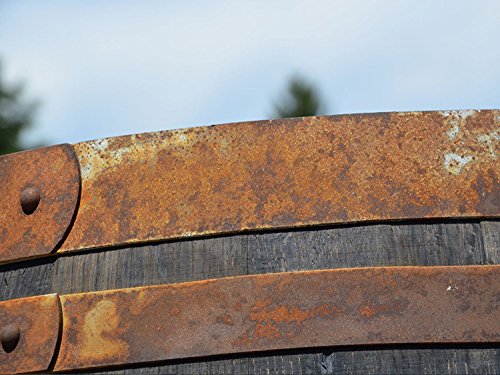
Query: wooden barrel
[187, 252]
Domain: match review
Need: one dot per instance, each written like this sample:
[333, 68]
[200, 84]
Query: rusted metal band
[29, 330]
[250, 176]
[39, 192]
[287, 173]
[343, 307]
[279, 311]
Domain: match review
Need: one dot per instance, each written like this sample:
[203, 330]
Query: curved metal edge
[251, 176]
[52, 175]
[38, 320]
[287, 173]
[343, 307]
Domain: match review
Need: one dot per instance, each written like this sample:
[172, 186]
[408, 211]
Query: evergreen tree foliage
[302, 98]
[16, 115]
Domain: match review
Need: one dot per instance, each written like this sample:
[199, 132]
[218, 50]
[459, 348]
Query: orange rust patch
[268, 331]
[367, 311]
[287, 173]
[227, 320]
[284, 314]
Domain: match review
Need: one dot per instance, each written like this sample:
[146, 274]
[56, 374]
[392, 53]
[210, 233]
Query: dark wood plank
[26, 279]
[413, 361]
[359, 362]
[491, 239]
[367, 246]
[299, 364]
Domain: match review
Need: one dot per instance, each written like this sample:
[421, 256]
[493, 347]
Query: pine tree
[301, 99]
[16, 115]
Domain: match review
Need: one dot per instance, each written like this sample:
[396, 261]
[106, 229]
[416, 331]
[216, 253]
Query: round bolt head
[9, 337]
[30, 197]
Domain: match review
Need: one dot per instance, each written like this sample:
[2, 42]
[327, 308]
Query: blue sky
[106, 68]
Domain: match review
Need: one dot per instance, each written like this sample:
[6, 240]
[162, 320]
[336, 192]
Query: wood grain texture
[360, 362]
[491, 238]
[412, 361]
[367, 246]
[452, 243]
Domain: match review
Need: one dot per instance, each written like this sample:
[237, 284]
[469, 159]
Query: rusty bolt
[9, 337]
[30, 197]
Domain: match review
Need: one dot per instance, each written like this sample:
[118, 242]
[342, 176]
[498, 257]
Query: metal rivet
[9, 337]
[30, 197]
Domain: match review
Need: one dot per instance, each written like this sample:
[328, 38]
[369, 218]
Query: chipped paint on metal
[95, 156]
[328, 308]
[463, 150]
[452, 133]
[38, 319]
[454, 163]
[491, 141]
[456, 120]
[286, 173]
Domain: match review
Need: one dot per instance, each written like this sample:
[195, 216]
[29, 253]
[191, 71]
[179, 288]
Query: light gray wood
[491, 238]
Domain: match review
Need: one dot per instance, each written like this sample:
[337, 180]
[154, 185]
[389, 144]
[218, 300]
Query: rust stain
[367, 311]
[101, 324]
[100, 330]
[286, 173]
[388, 305]
[38, 319]
[269, 321]
[54, 173]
